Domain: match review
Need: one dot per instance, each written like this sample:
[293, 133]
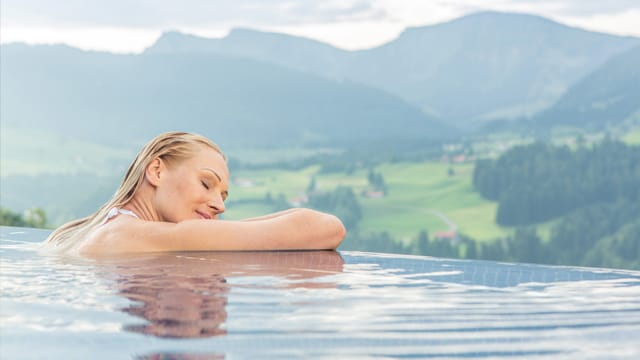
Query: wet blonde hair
[170, 147]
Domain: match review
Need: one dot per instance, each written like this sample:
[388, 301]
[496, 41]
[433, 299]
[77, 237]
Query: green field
[421, 196]
[632, 137]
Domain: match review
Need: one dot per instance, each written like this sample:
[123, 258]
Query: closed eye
[206, 186]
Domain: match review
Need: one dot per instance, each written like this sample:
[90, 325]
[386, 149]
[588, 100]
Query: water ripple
[311, 304]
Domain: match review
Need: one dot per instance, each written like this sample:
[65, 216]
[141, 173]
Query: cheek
[187, 193]
[177, 199]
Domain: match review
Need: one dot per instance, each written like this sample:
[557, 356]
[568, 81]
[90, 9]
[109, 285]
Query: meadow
[632, 137]
[420, 196]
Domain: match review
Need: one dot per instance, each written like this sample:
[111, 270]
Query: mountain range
[238, 102]
[609, 96]
[264, 89]
[479, 67]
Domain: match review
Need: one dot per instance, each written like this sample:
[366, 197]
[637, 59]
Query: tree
[526, 246]
[341, 202]
[421, 245]
[312, 185]
[619, 250]
[34, 217]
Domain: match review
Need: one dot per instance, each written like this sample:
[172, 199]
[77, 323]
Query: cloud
[127, 25]
[163, 14]
[192, 13]
[579, 8]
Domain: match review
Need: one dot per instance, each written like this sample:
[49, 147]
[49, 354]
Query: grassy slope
[632, 137]
[418, 195]
[419, 192]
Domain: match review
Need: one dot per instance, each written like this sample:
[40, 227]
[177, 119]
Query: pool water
[321, 304]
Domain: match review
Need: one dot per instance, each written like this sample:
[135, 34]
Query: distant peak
[260, 35]
[173, 40]
[251, 33]
[502, 15]
[491, 18]
[176, 34]
[243, 30]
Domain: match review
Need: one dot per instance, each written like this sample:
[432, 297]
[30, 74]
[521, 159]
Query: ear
[154, 171]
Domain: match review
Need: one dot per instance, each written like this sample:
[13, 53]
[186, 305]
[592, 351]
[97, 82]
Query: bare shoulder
[121, 235]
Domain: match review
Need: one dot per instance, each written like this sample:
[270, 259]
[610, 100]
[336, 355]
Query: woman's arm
[301, 229]
[273, 215]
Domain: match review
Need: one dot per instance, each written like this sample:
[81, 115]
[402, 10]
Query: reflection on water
[176, 306]
[309, 305]
[184, 295]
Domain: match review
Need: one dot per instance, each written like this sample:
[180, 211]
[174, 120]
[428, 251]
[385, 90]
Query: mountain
[292, 52]
[487, 65]
[608, 96]
[482, 66]
[237, 102]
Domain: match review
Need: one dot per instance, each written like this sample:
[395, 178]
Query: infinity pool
[324, 304]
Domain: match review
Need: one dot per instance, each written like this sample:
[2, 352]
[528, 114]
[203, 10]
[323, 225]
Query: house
[373, 194]
[299, 200]
[450, 235]
[244, 183]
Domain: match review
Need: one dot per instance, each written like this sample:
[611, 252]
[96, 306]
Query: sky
[130, 26]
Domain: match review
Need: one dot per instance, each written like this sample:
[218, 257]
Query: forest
[540, 182]
[590, 194]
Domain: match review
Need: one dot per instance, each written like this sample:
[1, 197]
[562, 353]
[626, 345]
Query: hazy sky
[132, 25]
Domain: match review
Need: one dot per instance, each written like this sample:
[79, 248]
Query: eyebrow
[214, 173]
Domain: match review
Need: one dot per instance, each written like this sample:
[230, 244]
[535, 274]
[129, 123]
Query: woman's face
[195, 188]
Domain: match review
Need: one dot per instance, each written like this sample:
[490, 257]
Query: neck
[142, 207]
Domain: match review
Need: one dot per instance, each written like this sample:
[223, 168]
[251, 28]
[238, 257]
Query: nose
[217, 204]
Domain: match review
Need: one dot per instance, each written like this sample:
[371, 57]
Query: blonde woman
[170, 199]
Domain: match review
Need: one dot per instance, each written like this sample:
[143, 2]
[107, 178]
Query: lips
[204, 216]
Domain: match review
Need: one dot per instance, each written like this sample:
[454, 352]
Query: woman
[170, 199]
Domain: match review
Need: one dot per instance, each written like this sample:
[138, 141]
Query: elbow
[338, 233]
[329, 233]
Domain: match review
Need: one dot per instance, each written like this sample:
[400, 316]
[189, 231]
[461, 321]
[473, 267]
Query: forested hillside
[539, 182]
[592, 193]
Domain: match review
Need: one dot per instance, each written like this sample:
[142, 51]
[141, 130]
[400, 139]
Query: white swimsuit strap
[128, 212]
[115, 212]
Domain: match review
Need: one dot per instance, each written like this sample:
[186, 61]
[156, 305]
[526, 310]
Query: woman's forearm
[273, 215]
[295, 229]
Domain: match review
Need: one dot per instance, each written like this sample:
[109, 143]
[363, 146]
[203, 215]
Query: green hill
[124, 99]
[607, 97]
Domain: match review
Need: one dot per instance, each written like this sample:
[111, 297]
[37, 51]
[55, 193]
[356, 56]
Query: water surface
[208, 305]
